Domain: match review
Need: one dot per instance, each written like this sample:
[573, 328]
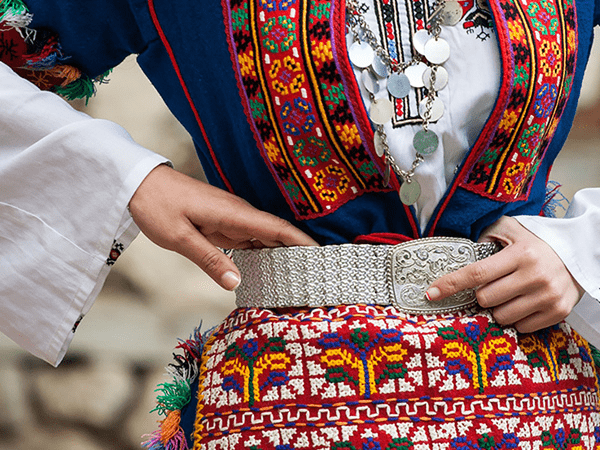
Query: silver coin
[361, 54]
[410, 192]
[415, 74]
[370, 82]
[452, 13]
[398, 85]
[441, 78]
[381, 111]
[426, 142]
[437, 51]
[420, 38]
[437, 109]
[378, 144]
[379, 67]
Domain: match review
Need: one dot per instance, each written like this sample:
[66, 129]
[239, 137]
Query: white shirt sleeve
[65, 182]
[576, 240]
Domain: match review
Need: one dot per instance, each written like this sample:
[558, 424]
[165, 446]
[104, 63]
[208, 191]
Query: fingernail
[432, 294]
[230, 280]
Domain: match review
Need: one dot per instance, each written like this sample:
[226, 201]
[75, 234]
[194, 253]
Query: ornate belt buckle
[416, 264]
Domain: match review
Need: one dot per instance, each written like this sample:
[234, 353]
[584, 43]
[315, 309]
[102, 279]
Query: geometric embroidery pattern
[294, 98]
[370, 377]
[543, 36]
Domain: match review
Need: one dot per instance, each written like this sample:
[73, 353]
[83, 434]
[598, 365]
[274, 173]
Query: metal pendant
[420, 38]
[379, 67]
[398, 85]
[381, 111]
[415, 74]
[452, 13]
[361, 54]
[426, 142]
[410, 191]
[436, 112]
[441, 78]
[388, 174]
[378, 144]
[370, 82]
[437, 51]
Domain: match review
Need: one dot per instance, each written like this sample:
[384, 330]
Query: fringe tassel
[68, 73]
[175, 395]
[14, 7]
[81, 88]
[45, 55]
[10, 19]
[595, 355]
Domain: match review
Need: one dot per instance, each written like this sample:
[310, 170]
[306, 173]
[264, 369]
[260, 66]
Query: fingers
[477, 274]
[194, 246]
[270, 230]
[193, 218]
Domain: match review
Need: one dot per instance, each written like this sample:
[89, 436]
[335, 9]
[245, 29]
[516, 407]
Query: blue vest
[252, 85]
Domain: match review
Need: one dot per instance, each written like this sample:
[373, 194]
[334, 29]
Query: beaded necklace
[423, 71]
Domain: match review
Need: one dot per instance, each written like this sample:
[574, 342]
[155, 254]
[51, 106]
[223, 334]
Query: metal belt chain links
[351, 274]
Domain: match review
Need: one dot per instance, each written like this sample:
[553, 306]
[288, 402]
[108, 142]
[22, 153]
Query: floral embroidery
[297, 105]
[543, 37]
[250, 362]
[472, 350]
[356, 356]
[369, 377]
[115, 252]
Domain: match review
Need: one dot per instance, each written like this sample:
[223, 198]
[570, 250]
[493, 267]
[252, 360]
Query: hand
[525, 284]
[192, 218]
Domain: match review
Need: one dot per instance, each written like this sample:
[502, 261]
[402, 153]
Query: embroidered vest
[303, 103]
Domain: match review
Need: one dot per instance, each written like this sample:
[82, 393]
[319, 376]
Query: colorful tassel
[13, 7]
[43, 64]
[81, 88]
[595, 355]
[173, 396]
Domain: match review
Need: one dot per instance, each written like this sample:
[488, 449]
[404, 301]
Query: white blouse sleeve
[65, 182]
[576, 240]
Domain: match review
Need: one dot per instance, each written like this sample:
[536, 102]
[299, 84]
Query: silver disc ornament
[437, 51]
[435, 113]
[398, 85]
[420, 38]
[381, 111]
[369, 81]
[379, 67]
[452, 13]
[426, 142]
[415, 74]
[441, 78]
[361, 54]
[410, 191]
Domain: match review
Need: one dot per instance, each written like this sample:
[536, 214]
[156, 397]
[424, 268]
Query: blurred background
[101, 395]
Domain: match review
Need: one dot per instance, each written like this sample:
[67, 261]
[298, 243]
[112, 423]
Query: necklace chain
[361, 32]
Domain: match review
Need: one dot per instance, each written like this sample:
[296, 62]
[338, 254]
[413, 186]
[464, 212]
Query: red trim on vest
[382, 238]
[490, 127]
[169, 50]
[353, 90]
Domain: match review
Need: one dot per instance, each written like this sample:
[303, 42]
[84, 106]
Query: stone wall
[100, 396]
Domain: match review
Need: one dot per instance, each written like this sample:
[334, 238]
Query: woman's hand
[193, 218]
[526, 284]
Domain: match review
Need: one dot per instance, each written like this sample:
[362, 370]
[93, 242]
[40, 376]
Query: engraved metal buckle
[415, 265]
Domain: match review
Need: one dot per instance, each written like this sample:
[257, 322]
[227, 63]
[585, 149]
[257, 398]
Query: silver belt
[348, 274]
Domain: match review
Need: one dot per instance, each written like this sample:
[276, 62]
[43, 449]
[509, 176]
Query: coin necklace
[424, 70]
